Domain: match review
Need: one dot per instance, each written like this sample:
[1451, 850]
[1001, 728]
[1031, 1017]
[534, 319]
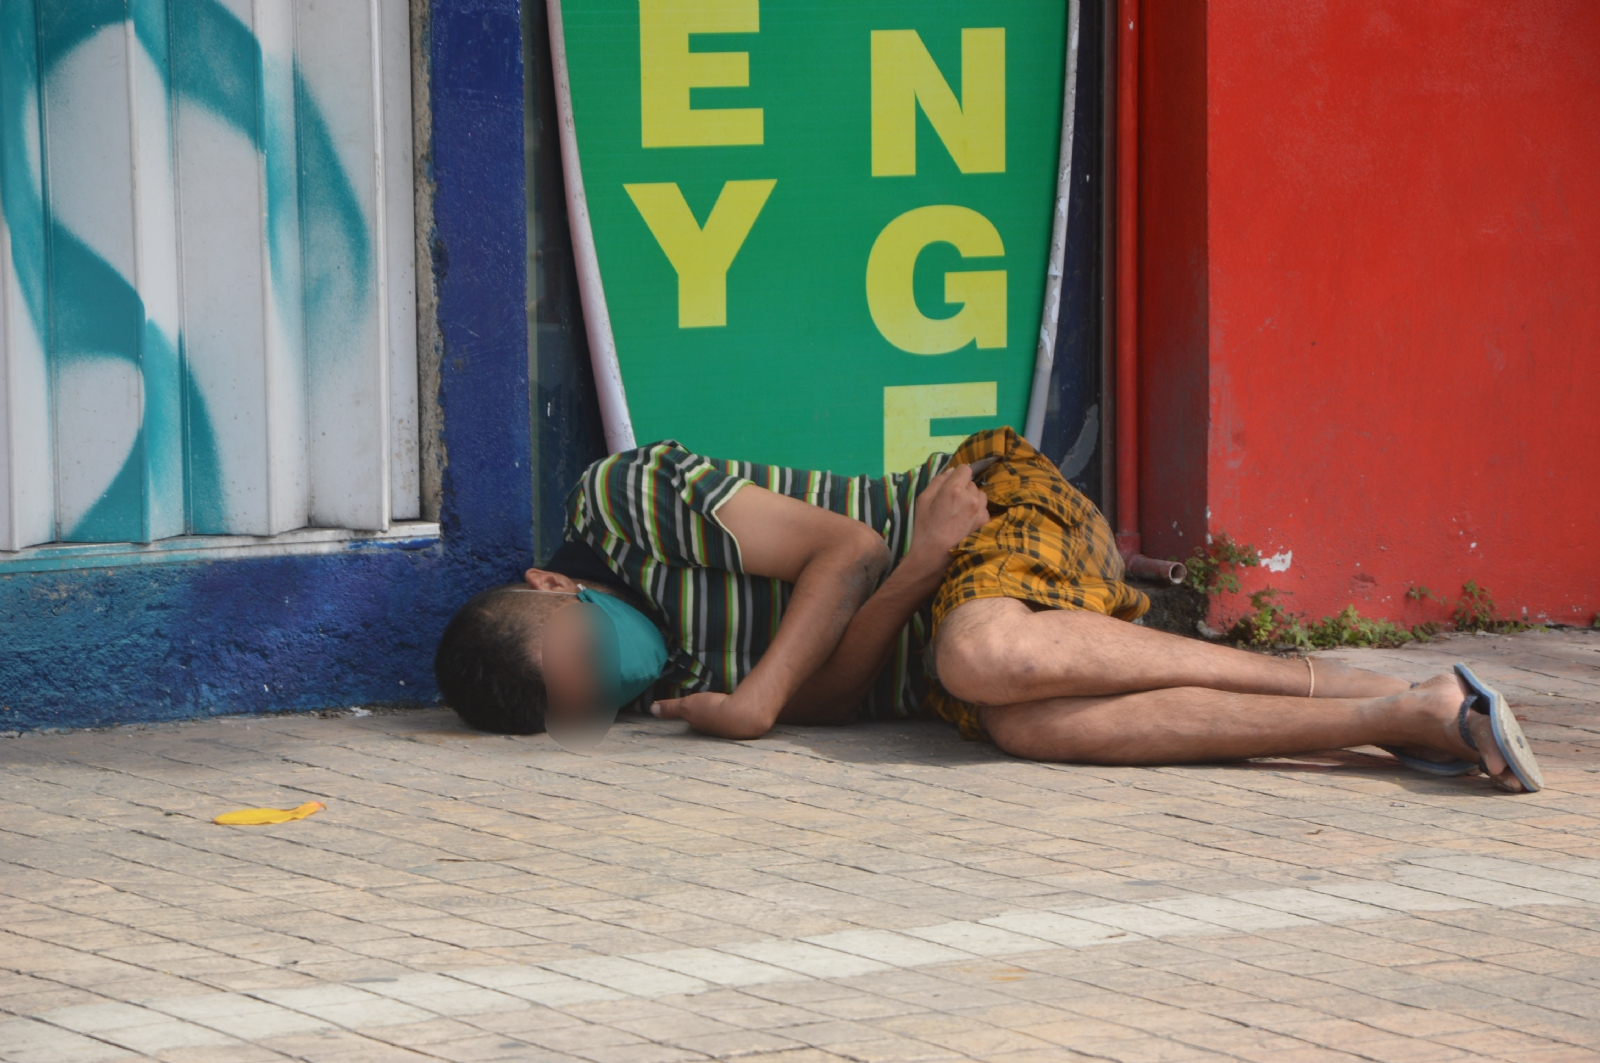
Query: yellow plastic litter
[250, 817]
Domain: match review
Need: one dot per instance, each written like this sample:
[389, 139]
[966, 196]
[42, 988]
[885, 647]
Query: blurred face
[566, 656]
[566, 652]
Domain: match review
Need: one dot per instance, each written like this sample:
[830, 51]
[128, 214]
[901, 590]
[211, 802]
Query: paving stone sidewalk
[882, 893]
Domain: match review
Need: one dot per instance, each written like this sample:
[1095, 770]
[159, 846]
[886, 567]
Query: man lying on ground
[757, 595]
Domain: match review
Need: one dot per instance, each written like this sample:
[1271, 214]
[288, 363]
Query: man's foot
[1439, 701]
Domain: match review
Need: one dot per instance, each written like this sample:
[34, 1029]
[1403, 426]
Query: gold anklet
[1313, 691]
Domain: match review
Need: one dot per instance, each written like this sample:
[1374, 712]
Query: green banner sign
[822, 228]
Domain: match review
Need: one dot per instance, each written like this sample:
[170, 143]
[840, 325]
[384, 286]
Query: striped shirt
[651, 514]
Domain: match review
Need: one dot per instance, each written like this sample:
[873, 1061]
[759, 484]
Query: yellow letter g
[892, 300]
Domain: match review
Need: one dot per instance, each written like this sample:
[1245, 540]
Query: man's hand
[712, 714]
[952, 508]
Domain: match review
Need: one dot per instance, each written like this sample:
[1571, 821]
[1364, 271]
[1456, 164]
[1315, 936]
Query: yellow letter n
[668, 70]
[701, 255]
[904, 74]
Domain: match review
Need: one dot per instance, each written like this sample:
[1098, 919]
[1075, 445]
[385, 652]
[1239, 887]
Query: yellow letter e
[668, 70]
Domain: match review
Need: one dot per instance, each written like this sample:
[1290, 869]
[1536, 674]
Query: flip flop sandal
[1508, 736]
[1445, 768]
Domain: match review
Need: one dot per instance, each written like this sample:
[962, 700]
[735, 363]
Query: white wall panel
[91, 144]
[338, 46]
[27, 506]
[155, 249]
[242, 321]
[110, 182]
[27, 499]
[289, 459]
[91, 155]
[405, 461]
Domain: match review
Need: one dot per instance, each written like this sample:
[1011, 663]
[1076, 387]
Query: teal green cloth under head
[629, 651]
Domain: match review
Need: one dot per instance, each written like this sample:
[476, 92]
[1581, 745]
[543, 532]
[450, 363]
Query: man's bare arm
[800, 543]
[834, 563]
[951, 508]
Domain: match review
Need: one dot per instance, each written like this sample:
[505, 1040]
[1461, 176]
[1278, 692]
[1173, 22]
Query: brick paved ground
[881, 894]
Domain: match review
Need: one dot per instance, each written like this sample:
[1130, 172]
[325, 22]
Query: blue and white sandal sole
[1508, 736]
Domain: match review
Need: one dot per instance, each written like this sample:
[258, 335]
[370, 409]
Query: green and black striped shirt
[651, 514]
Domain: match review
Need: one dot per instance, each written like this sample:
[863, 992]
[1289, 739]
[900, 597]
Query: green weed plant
[1211, 567]
[1272, 625]
[1475, 611]
[1213, 570]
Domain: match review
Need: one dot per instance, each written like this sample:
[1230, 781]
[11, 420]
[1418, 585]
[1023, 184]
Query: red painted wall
[1402, 326]
[1173, 403]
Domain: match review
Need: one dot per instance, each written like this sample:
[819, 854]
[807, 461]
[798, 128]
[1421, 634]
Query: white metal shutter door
[243, 326]
[228, 319]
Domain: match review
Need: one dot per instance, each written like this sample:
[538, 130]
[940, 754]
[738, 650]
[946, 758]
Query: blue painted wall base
[96, 647]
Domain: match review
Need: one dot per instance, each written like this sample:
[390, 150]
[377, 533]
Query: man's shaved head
[488, 664]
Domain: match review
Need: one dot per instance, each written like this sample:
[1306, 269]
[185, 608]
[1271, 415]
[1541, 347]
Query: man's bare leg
[998, 651]
[1075, 686]
[1189, 725]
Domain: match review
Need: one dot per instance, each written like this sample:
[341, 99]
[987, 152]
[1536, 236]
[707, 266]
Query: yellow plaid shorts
[1045, 543]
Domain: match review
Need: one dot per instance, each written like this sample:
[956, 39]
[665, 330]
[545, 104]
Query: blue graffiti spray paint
[334, 241]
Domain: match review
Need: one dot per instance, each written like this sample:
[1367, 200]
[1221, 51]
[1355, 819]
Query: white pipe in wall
[1045, 358]
[591, 293]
